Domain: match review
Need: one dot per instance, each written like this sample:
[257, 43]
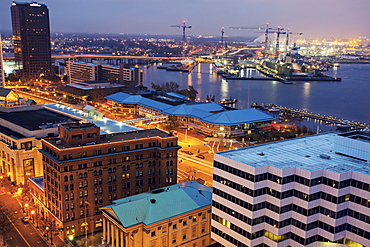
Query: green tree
[5, 215]
[171, 123]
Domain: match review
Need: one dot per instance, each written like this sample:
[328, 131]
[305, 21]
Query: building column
[126, 239]
[104, 228]
[117, 236]
[112, 235]
[108, 233]
[122, 239]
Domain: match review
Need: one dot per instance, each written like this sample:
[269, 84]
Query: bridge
[104, 56]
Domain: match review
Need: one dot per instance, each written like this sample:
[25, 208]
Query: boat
[273, 109]
[218, 68]
[344, 125]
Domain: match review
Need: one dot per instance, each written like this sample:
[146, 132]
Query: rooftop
[32, 120]
[309, 153]
[11, 133]
[160, 204]
[107, 126]
[117, 137]
[209, 112]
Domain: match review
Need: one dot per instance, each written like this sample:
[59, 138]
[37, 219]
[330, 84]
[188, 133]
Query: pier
[324, 118]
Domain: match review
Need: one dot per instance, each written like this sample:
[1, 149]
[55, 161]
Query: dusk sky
[315, 18]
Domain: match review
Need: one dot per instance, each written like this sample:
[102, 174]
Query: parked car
[25, 219]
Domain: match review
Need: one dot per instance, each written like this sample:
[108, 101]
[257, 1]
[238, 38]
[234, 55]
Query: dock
[327, 119]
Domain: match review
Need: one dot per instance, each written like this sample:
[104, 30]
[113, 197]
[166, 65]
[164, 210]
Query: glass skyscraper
[31, 38]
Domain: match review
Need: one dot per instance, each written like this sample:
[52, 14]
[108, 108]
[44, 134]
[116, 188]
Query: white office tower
[2, 74]
[308, 191]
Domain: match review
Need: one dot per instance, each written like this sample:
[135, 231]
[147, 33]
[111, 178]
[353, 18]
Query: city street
[22, 234]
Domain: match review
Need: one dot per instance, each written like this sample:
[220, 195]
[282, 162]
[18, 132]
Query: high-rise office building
[31, 38]
[2, 75]
[309, 191]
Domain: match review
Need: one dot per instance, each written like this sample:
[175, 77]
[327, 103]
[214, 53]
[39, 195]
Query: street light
[26, 206]
[32, 213]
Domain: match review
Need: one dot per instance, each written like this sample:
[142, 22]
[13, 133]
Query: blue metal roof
[236, 117]
[210, 112]
[168, 202]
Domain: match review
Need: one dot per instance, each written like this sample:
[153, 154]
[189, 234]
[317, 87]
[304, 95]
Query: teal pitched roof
[160, 204]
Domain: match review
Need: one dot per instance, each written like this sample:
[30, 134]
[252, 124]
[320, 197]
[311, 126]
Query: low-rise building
[177, 215]
[208, 118]
[308, 191]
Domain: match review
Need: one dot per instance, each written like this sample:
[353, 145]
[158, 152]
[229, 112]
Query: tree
[171, 123]
[172, 86]
[5, 215]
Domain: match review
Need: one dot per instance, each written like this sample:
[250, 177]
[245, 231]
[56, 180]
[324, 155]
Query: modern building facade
[78, 71]
[2, 74]
[31, 38]
[177, 215]
[85, 169]
[307, 191]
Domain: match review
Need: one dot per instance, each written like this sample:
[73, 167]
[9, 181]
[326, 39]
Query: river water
[348, 99]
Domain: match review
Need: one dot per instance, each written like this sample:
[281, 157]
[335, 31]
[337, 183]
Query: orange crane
[183, 26]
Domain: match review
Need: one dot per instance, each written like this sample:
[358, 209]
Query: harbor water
[347, 99]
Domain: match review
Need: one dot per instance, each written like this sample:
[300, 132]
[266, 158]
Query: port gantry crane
[267, 28]
[183, 26]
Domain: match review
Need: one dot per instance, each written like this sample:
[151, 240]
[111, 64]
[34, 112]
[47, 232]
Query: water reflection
[224, 89]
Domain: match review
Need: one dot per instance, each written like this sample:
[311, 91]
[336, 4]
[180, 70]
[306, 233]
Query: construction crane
[222, 37]
[279, 30]
[267, 28]
[183, 26]
[288, 32]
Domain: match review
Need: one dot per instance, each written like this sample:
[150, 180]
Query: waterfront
[348, 99]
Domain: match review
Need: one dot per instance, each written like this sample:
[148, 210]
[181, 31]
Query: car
[25, 219]
[200, 156]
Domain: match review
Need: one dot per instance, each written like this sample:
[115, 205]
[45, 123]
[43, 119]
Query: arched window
[71, 177]
[65, 178]
[110, 170]
[114, 169]
[85, 175]
[95, 173]
[80, 175]
[100, 172]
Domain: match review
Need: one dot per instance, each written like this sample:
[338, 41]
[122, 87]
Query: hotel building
[85, 169]
[308, 191]
[177, 215]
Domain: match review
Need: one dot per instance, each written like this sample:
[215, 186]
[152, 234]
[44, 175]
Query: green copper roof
[160, 204]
